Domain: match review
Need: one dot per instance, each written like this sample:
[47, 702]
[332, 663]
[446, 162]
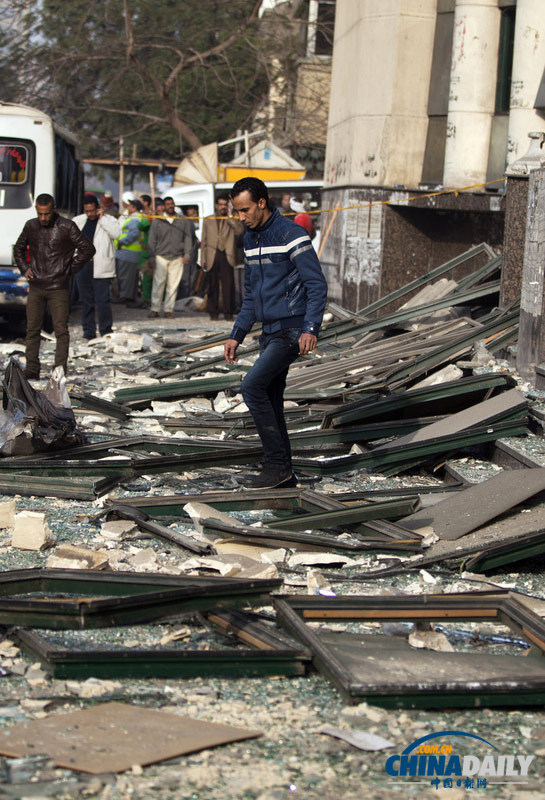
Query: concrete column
[528, 61]
[516, 213]
[531, 342]
[472, 95]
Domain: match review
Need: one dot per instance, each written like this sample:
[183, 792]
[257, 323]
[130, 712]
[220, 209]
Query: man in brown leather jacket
[57, 249]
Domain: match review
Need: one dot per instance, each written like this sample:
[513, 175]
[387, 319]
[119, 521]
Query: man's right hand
[29, 274]
[230, 350]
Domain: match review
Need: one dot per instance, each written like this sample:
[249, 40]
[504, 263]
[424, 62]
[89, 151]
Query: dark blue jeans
[263, 392]
[94, 292]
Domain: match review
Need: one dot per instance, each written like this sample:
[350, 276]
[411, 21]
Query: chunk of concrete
[31, 531]
[117, 529]
[71, 557]
[199, 511]
[7, 514]
[144, 560]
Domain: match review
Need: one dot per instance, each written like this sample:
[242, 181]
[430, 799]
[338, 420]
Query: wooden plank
[111, 737]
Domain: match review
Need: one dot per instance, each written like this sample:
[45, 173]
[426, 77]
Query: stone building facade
[426, 96]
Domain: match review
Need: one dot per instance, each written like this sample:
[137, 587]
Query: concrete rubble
[345, 458]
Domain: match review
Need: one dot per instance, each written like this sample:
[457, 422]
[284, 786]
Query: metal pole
[152, 188]
[247, 147]
[237, 145]
[121, 172]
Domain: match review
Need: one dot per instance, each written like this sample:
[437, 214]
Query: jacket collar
[274, 216]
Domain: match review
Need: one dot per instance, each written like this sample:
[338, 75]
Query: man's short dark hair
[159, 201]
[168, 197]
[145, 198]
[222, 196]
[254, 186]
[137, 204]
[45, 200]
[90, 198]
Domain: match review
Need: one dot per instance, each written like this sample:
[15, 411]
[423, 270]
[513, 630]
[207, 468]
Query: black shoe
[269, 479]
[31, 374]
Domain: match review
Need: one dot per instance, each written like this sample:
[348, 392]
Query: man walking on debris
[94, 278]
[170, 241]
[286, 291]
[57, 249]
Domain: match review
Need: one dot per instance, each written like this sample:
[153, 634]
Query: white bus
[36, 156]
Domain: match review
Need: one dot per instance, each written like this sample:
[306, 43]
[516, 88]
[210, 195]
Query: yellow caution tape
[397, 201]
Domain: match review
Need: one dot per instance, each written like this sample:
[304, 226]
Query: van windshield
[16, 173]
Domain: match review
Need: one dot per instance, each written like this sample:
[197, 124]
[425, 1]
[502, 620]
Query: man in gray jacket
[170, 242]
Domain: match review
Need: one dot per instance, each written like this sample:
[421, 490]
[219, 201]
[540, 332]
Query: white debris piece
[232, 547]
[92, 687]
[117, 559]
[7, 514]
[430, 640]
[240, 408]
[175, 636]
[123, 342]
[197, 404]
[448, 373]
[316, 582]
[429, 538]
[8, 649]
[145, 559]
[117, 529]
[260, 571]
[274, 556]
[222, 403]
[199, 511]
[357, 450]
[363, 710]
[70, 556]
[31, 531]
[165, 409]
[425, 577]
[363, 740]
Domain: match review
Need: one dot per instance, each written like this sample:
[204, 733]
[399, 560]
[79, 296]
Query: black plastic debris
[34, 421]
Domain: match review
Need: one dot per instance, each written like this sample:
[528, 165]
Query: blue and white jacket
[284, 286]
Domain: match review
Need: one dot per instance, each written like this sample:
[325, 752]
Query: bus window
[67, 183]
[16, 173]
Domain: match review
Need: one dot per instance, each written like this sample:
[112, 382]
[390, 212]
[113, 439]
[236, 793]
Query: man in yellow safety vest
[129, 247]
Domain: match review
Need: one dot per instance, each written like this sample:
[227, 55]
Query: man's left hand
[307, 342]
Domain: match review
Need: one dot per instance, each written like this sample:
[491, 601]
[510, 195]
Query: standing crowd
[147, 256]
